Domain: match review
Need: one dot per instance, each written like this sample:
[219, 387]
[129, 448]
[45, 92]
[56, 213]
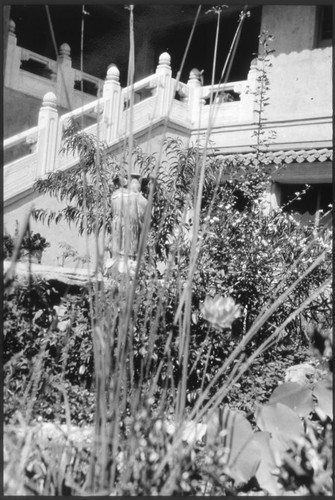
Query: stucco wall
[301, 75]
[20, 112]
[54, 234]
[293, 26]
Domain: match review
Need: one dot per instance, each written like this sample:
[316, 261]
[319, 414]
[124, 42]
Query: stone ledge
[67, 275]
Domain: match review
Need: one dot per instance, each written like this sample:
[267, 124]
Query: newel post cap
[65, 50]
[113, 74]
[11, 27]
[164, 60]
[195, 75]
[49, 100]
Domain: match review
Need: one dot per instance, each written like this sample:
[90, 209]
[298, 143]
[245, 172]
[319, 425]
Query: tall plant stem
[200, 406]
[259, 322]
[218, 13]
[195, 246]
[221, 393]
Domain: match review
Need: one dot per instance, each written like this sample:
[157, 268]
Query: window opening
[86, 86]
[37, 68]
[224, 96]
[325, 25]
[317, 197]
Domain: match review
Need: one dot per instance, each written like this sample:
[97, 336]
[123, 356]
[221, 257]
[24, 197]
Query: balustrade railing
[223, 93]
[35, 75]
[156, 97]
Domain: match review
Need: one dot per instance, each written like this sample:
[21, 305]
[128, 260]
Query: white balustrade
[23, 137]
[155, 98]
[55, 76]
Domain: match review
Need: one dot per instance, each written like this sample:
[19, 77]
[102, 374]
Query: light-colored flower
[220, 312]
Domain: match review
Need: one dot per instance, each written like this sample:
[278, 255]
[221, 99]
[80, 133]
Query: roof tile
[287, 157]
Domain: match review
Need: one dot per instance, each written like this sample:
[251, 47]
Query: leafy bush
[43, 351]
[34, 241]
[8, 246]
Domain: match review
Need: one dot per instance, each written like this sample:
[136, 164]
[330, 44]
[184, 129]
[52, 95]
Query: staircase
[158, 100]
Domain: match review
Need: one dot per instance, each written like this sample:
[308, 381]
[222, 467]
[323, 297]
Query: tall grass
[138, 443]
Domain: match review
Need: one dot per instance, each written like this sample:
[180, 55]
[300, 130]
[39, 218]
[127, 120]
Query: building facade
[299, 114]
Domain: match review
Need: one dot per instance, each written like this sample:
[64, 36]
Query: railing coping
[139, 85]
[223, 86]
[82, 109]
[27, 54]
[17, 138]
[52, 64]
[78, 74]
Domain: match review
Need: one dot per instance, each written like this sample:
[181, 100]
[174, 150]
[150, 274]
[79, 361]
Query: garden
[207, 371]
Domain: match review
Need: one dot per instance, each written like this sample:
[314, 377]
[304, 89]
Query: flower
[220, 312]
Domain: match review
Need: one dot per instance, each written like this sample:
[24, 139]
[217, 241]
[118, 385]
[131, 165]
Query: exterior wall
[293, 26]
[54, 234]
[301, 75]
[301, 91]
[21, 112]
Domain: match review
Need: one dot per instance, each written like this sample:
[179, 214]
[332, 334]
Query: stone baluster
[112, 103]
[65, 77]
[13, 58]
[47, 134]
[164, 87]
[194, 95]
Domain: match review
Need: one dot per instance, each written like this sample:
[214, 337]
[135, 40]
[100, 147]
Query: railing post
[194, 96]
[111, 95]
[47, 134]
[65, 77]
[164, 84]
[13, 61]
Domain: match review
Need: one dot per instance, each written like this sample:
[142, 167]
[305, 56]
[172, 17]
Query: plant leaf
[280, 420]
[232, 424]
[324, 393]
[267, 466]
[245, 464]
[237, 437]
[38, 314]
[297, 397]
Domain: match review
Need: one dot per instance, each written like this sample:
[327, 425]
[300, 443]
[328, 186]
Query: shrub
[34, 241]
[8, 246]
[42, 350]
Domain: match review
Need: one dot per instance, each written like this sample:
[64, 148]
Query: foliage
[289, 438]
[174, 196]
[30, 242]
[70, 252]
[248, 254]
[8, 246]
[34, 241]
[43, 349]
[78, 187]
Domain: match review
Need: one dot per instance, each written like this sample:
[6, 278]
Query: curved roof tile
[287, 157]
